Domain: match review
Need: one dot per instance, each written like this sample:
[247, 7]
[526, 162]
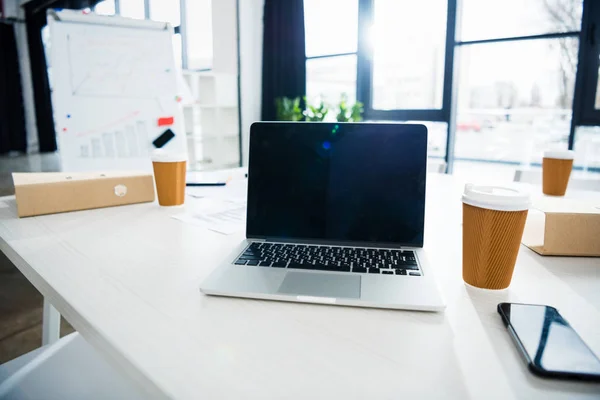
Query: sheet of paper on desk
[222, 216]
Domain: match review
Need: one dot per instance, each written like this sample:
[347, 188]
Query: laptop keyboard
[326, 258]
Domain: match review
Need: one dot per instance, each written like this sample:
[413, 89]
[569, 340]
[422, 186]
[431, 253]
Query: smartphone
[550, 346]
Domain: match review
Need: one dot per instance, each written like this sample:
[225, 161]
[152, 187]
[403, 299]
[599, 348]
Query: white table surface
[127, 279]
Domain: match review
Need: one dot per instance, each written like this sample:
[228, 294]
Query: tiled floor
[20, 302]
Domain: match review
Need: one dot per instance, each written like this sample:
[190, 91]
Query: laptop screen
[337, 182]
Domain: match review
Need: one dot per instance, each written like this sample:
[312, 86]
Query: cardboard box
[56, 192]
[563, 227]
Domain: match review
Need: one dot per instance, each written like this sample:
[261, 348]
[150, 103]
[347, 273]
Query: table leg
[51, 324]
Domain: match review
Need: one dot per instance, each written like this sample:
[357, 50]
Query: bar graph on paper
[129, 141]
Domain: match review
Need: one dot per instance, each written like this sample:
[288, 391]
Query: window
[165, 10]
[169, 11]
[404, 46]
[517, 73]
[587, 148]
[403, 64]
[132, 9]
[512, 111]
[437, 133]
[513, 18]
[178, 49]
[106, 7]
[198, 51]
[331, 43]
[408, 44]
[198, 27]
[526, 77]
[404, 69]
[331, 26]
[328, 78]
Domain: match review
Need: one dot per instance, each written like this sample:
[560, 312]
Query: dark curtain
[39, 79]
[12, 112]
[35, 14]
[284, 61]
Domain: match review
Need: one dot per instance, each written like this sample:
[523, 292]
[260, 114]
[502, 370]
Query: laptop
[335, 215]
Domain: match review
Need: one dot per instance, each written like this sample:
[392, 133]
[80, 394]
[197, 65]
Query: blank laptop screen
[328, 182]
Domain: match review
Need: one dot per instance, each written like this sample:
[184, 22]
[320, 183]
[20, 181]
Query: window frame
[586, 84]
[179, 29]
[333, 55]
[516, 39]
[364, 88]
[329, 56]
[583, 112]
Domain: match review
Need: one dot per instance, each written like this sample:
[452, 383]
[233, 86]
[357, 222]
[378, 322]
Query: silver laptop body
[344, 270]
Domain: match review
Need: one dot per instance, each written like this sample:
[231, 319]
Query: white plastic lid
[560, 154]
[496, 198]
[165, 156]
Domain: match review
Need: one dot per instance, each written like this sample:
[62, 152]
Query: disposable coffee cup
[169, 176]
[493, 222]
[556, 171]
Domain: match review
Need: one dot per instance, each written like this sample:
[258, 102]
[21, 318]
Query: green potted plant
[347, 112]
[289, 109]
[315, 113]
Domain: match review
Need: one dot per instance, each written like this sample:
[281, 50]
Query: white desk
[127, 279]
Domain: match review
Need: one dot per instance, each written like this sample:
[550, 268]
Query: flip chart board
[114, 91]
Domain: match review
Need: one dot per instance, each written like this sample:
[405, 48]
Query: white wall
[251, 38]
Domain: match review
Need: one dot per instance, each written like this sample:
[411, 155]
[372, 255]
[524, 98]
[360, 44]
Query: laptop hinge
[332, 243]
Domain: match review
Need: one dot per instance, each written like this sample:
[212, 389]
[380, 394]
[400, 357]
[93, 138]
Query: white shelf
[209, 122]
[215, 89]
[228, 119]
[189, 119]
[212, 120]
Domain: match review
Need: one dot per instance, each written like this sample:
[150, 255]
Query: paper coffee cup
[556, 171]
[493, 223]
[169, 176]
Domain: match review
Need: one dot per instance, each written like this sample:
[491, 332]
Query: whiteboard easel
[114, 92]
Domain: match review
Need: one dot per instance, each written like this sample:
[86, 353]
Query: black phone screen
[551, 344]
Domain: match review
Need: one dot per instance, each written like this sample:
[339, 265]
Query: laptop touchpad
[321, 284]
